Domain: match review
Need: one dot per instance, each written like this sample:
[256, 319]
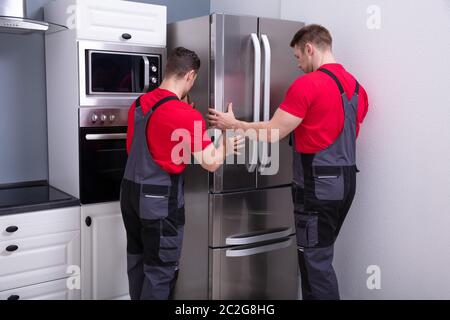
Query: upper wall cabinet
[112, 21]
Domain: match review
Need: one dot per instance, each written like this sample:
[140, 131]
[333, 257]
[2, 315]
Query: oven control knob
[94, 118]
[154, 80]
[103, 118]
[112, 118]
[154, 69]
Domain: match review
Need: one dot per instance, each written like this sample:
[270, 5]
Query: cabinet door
[24, 262]
[54, 290]
[109, 20]
[103, 253]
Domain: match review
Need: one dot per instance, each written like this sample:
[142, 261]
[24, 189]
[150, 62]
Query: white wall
[23, 117]
[261, 8]
[400, 219]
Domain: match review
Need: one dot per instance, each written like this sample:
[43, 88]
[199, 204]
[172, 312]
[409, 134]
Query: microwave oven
[116, 74]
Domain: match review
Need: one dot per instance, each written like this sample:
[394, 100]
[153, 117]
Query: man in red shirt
[324, 109]
[162, 132]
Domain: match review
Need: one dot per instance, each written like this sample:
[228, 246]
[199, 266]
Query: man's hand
[211, 158]
[221, 120]
[233, 145]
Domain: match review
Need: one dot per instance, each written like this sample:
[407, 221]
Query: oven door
[103, 158]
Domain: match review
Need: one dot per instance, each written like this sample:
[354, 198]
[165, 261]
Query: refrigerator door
[266, 271]
[235, 77]
[279, 72]
[249, 217]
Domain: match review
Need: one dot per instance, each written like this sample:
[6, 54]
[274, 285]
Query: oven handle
[146, 74]
[110, 136]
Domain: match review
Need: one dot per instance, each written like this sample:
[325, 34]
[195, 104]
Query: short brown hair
[315, 34]
[181, 61]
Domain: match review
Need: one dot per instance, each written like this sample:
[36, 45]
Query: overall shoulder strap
[333, 76]
[341, 88]
[162, 101]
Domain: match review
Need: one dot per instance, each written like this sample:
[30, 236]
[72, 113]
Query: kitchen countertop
[33, 196]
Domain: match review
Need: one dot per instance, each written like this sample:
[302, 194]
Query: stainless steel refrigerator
[240, 236]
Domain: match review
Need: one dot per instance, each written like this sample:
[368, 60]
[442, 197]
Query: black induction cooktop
[33, 196]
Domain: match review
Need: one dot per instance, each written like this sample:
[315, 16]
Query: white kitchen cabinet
[38, 259]
[37, 248]
[103, 253]
[53, 290]
[39, 223]
[109, 20]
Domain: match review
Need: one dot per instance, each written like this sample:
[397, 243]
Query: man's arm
[211, 158]
[282, 121]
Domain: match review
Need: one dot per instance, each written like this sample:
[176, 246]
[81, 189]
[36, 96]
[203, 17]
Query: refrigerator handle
[264, 161]
[253, 161]
[267, 69]
[259, 237]
[262, 249]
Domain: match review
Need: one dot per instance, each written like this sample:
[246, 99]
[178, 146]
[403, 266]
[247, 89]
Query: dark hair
[181, 61]
[315, 34]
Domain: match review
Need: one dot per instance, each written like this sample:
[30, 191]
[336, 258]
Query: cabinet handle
[12, 248]
[12, 229]
[13, 297]
[88, 221]
[126, 36]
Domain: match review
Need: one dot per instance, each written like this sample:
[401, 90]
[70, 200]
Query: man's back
[316, 99]
[173, 115]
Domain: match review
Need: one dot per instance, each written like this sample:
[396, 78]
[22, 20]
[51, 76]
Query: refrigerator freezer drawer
[268, 271]
[257, 215]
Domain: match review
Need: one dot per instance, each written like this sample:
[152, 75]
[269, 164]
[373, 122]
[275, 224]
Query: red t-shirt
[168, 117]
[315, 98]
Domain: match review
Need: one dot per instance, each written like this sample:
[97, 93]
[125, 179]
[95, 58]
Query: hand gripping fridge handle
[253, 161]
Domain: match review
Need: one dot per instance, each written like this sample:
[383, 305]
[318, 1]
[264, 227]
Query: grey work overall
[152, 204]
[323, 191]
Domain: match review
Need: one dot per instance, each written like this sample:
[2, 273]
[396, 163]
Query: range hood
[13, 19]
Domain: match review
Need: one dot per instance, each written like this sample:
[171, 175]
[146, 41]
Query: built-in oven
[103, 155]
[115, 75]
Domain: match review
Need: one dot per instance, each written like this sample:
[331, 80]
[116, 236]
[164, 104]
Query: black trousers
[153, 248]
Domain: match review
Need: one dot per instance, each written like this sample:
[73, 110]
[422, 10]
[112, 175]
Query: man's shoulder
[185, 113]
[305, 84]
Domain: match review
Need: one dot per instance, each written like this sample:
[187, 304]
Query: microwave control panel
[155, 72]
